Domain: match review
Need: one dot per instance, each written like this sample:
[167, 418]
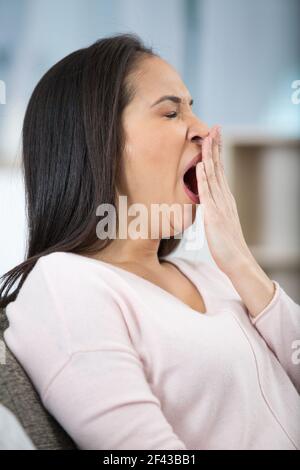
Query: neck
[132, 252]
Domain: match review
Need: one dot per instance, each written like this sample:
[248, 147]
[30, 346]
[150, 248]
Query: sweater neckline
[179, 263]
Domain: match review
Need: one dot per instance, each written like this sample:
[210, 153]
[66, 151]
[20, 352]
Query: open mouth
[190, 180]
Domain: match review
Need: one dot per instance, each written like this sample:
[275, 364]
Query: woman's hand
[221, 221]
[223, 230]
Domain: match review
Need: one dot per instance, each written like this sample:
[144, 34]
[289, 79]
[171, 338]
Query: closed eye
[171, 115]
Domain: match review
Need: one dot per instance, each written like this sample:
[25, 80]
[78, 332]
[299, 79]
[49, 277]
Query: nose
[197, 131]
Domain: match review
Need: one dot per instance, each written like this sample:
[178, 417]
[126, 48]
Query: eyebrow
[173, 98]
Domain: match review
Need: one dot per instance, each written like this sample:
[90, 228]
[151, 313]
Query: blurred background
[241, 63]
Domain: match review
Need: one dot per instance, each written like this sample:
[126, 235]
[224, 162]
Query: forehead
[155, 78]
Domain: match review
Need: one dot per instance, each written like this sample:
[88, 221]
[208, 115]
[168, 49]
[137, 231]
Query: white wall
[12, 217]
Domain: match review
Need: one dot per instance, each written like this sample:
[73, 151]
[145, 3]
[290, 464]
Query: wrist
[241, 263]
[253, 285]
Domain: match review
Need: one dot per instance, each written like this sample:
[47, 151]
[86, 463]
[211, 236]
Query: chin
[188, 216]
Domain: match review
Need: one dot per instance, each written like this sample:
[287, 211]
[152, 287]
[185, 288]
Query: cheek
[147, 152]
[161, 151]
[153, 154]
[156, 140]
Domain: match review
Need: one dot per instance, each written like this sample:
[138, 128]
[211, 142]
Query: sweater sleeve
[279, 325]
[69, 333]
[104, 401]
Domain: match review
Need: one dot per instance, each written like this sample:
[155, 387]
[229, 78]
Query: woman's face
[161, 138]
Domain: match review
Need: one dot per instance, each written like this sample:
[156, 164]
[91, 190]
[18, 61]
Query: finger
[219, 167]
[209, 168]
[215, 134]
[206, 149]
[217, 181]
[215, 144]
[220, 170]
[213, 183]
[220, 141]
[203, 188]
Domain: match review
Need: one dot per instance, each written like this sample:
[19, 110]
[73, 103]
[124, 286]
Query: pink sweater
[123, 364]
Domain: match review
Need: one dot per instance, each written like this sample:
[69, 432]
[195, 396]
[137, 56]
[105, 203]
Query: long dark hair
[72, 142]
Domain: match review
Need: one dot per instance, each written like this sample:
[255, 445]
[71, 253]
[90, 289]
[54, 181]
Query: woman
[129, 350]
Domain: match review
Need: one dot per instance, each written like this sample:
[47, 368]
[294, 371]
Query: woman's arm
[274, 314]
[103, 400]
[252, 284]
[68, 332]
